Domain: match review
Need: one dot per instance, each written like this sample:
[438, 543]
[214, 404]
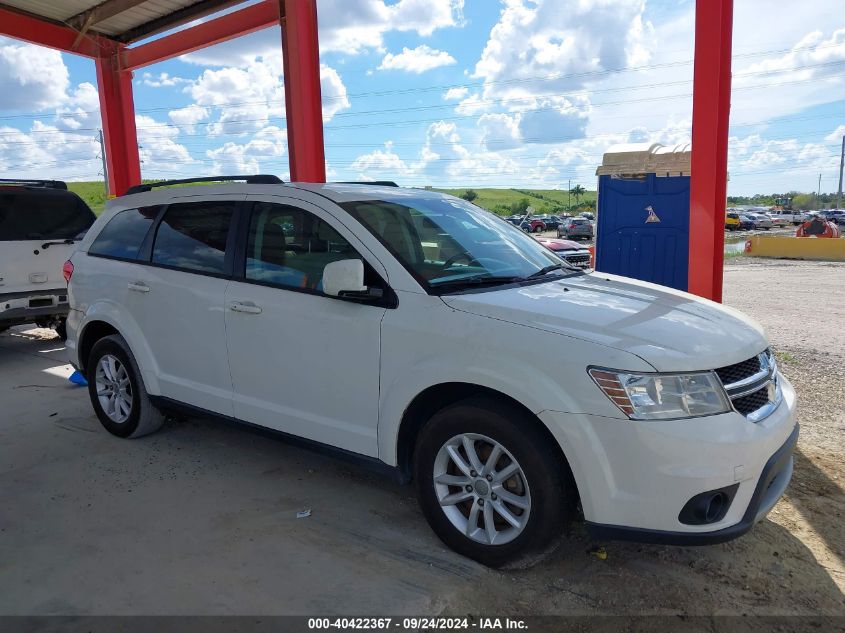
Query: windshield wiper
[544, 270]
[47, 245]
[476, 280]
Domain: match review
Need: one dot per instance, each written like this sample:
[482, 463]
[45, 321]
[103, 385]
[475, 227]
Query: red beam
[253, 18]
[710, 119]
[303, 103]
[34, 30]
[117, 110]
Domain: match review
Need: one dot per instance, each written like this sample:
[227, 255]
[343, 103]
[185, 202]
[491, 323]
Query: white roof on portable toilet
[637, 159]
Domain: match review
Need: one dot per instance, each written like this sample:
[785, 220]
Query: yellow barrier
[824, 249]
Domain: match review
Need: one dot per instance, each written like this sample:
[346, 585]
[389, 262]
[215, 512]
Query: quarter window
[291, 247]
[125, 232]
[192, 236]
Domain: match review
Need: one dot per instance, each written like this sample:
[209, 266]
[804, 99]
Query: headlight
[663, 396]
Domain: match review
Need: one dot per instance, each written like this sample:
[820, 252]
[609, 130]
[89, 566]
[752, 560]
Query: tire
[541, 480]
[539, 229]
[61, 329]
[142, 417]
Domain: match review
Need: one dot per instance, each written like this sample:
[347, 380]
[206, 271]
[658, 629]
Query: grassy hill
[543, 200]
[496, 200]
[92, 192]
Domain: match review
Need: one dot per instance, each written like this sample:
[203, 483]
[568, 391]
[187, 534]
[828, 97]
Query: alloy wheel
[482, 489]
[114, 389]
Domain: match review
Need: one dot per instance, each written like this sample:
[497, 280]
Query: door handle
[138, 286]
[244, 306]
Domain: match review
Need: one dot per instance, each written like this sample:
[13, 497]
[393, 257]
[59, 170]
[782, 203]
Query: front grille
[749, 385]
[40, 303]
[578, 260]
[739, 371]
[747, 405]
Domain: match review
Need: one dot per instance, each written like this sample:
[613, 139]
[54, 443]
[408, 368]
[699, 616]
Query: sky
[463, 93]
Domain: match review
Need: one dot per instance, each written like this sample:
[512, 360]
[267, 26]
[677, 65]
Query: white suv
[39, 222]
[418, 331]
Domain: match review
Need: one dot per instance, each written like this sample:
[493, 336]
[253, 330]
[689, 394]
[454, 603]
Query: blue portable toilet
[643, 209]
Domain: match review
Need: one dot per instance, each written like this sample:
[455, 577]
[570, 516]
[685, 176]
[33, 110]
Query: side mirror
[344, 278]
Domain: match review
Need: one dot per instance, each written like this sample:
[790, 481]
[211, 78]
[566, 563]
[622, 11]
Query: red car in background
[569, 251]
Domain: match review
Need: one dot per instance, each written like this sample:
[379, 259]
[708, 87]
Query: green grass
[543, 200]
[496, 200]
[92, 192]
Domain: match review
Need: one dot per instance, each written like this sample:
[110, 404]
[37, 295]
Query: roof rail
[46, 184]
[377, 183]
[255, 179]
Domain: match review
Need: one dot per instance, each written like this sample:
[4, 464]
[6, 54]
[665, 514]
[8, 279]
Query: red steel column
[303, 103]
[117, 110]
[710, 118]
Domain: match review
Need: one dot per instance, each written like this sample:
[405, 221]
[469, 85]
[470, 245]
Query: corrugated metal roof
[58, 11]
[142, 14]
[131, 21]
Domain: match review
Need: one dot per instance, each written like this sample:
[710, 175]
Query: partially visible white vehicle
[40, 220]
[511, 387]
[762, 221]
[788, 216]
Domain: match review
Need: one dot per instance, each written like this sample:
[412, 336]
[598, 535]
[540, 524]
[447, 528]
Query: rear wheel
[490, 485]
[117, 392]
[61, 329]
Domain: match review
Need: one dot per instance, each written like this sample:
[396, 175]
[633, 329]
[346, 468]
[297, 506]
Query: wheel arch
[92, 332]
[438, 397]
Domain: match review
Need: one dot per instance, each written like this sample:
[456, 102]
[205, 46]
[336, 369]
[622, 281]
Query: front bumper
[635, 477]
[770, 486]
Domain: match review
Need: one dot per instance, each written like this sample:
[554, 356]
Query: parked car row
[736, 221]
[541, 223]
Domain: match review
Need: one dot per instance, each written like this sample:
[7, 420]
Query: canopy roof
[124, 21]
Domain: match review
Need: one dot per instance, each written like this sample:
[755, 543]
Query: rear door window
[192, 236]
[42, 215]
[122, 237]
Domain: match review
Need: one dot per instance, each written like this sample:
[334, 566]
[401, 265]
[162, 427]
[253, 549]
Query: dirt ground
[201, 517]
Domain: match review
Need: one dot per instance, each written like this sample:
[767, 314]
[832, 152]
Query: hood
[669, 329]
[557, 244]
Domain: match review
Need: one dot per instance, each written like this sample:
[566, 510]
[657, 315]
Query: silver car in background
[576, 229]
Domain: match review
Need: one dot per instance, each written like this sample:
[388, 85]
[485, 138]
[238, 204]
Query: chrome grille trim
[750, 385]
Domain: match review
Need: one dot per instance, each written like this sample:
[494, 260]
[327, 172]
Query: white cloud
[268, 143]
[47, 152]
[455, 94]
[187, 118]
[248, 97]
[81, 109]
[559, 42]
[445, 159]
[32, 77]
[501, 131]
[350, 27]
[333, 93]
[160, 153]
[836, 135]
[162, 80]
[380, 164]
[417, 60]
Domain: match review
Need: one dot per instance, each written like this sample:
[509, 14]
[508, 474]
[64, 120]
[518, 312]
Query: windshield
[442, 241]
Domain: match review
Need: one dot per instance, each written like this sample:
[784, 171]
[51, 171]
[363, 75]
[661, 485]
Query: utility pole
[819, 194]
[105, 168]
[569, 191]
[841, 165]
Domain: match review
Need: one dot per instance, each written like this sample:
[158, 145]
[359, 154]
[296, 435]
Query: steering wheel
[456, 258]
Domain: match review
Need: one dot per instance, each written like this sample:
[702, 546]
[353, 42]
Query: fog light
[708, 507]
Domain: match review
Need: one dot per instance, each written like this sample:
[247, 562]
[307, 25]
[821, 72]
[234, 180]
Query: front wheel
[490, 485]
[117, 392]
